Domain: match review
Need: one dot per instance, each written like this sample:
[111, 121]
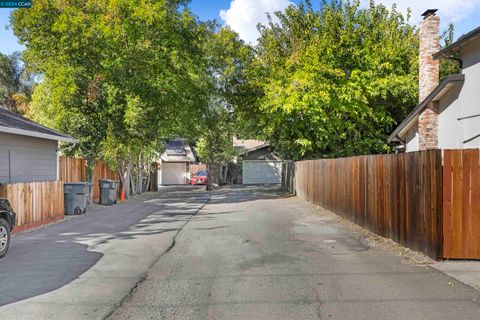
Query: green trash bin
[75, 201]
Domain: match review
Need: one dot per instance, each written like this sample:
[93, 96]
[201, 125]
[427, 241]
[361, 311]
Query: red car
[199, 178]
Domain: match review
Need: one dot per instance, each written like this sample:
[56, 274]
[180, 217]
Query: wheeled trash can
[75, 200]
[108, 192]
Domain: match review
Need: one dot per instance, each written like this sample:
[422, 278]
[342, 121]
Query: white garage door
[262, 172]
[173, 173]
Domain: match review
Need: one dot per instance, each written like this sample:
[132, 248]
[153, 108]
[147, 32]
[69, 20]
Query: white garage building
[175, 163]
[262, 171]
[259, 164]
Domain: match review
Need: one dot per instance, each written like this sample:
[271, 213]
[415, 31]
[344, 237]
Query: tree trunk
[225, 172]
[89, 169]
[128, 190]
[125, 176]
[209, 177]
[139, 181]
[133, 187]
[220, 174]
[140, 171]
[149, 176]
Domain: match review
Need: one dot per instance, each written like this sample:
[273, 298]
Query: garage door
[173, 173]
[262, 172]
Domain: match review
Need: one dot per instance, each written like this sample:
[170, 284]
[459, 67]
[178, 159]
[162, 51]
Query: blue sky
[243, 15]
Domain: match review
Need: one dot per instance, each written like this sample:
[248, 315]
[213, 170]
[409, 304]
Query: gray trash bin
[108, 192]
[114, 191]
[75, 200]
[89, 194]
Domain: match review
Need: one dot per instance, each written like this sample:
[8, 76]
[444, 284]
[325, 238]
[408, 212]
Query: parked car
[199, 178]
[8, 218]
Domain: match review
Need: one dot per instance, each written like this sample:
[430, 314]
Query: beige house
[448, 114]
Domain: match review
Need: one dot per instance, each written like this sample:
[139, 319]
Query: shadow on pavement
[247, 193]
[49, 258]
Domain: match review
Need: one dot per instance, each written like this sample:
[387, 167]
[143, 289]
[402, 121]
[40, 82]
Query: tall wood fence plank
[35, 202]
[461, 206]
[397, 196]
[73, 169]
[101, 171]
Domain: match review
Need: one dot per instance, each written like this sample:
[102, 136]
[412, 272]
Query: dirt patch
[373, 240]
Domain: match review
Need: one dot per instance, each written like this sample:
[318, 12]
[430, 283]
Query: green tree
[119, 75]
[215, 145]
[15, 83]
[452, 64]
[226, 59]
[334, 81]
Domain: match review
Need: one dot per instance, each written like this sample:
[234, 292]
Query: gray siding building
[448, 116]
[28, 150]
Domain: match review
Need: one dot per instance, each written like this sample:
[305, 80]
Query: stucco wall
[412, 139]
[450, 135]
[27, 159]
[470, 95]
[460, 108]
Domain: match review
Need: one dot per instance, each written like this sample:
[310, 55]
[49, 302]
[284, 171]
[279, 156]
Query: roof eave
[35, 134]
[246, 151]
[457, 45]
[448, 82]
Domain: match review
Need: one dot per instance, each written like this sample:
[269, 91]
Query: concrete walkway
[82, 268]
[467, 272]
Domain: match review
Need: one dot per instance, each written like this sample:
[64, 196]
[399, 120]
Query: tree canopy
[334, 81]
[15, 83]
[226, 60]
[120, 75]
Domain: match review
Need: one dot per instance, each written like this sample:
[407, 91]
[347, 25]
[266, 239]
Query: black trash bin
[108, 192]
[75, 200]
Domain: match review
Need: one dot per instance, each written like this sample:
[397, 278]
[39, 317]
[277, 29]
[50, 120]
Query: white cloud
[244, 15]
[448, 10]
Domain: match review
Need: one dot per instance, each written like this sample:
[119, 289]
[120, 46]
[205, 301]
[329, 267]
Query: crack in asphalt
[169, 248]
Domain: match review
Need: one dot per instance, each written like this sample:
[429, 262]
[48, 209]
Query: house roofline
[255, 148]
[35, 134]
[448, 82]
[175, 161]
[457, 45]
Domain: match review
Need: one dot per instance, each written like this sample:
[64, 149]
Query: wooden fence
[397, 196]
[101, 171]
[73, 169]
[461, 206]
[35, 202]
[40, 202]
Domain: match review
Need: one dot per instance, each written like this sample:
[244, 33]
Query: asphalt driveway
[82, 267]
[239, 253]
[253, 253]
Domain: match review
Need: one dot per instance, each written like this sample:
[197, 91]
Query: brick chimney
[429, 72]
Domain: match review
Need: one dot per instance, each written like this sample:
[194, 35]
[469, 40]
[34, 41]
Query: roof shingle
[13, 123]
